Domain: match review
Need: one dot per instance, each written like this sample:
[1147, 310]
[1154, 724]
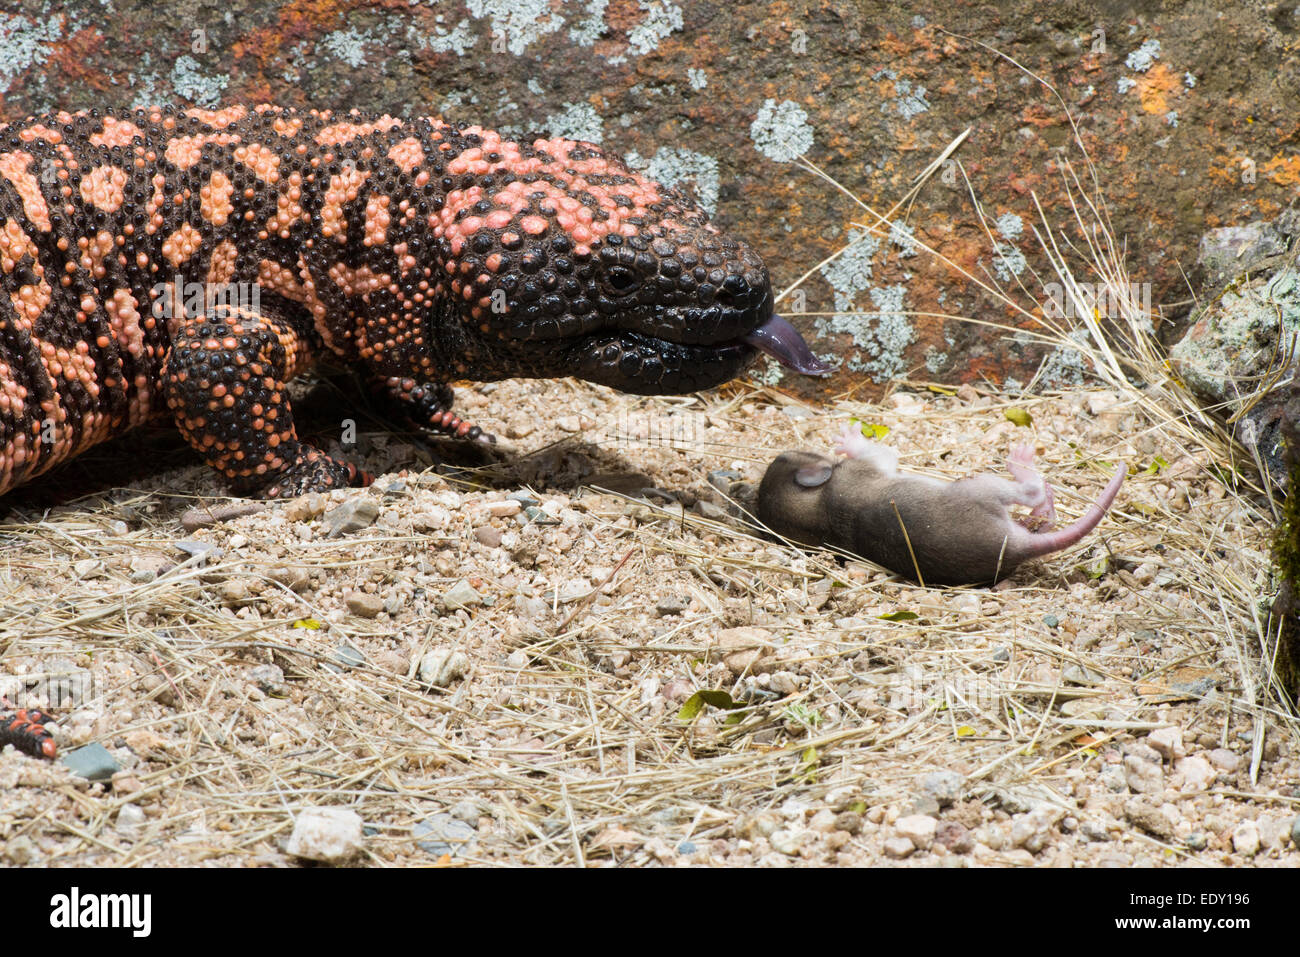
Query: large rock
[1286, 607]
[724, 98]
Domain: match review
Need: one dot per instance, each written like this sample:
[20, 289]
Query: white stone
[1143, 777]
[917, 828]
[1195, 773]
[331, 835]
[1168, 742]
[1245, 839]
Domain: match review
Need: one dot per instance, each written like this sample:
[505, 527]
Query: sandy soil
[486, 681]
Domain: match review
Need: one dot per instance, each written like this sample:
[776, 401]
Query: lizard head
[564, 261]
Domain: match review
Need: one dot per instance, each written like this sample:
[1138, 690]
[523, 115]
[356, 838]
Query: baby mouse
[941, 533]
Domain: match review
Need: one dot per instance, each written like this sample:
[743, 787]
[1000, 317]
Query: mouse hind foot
[1031, 489]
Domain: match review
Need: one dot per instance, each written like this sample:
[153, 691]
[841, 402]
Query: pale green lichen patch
[577, 121]
[661, 19]
[850, 273]
[781, 131]
[1065, 366]
[1010, 226]
[189, 81]
[516, 23]
[674, 166]
[457, 39]
[1008, 261]
[881, 337]
[591, 28]
[24, 44]
[1141, 59]
[347, 45]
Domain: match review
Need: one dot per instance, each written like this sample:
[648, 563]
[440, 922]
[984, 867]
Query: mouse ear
[811, 476]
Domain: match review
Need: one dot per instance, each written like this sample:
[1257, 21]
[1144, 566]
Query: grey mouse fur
[941, 533]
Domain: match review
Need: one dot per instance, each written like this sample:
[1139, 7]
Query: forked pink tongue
[778, 339]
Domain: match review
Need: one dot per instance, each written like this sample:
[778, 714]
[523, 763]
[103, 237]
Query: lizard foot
[314, 471]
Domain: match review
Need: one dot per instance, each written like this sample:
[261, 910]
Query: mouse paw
[855, 445]
[1021, 455]
[852, 442]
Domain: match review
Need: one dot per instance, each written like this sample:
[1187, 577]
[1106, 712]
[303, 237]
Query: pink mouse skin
[925, 529]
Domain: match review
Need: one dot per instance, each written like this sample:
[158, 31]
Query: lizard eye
[621, 280]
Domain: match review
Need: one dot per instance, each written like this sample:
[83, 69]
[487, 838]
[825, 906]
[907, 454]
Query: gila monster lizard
[190, 263]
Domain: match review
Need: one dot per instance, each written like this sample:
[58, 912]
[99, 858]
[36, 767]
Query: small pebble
[269, 678]
[787, 841]
[462, 595]
[1225, 760]
[352, 516]
[714, 513]
[204, 552]
[130, 816]
[466, 811]
[944, 786]
[364, 605]
[956, 837]
[20, 850]
[1195, 773]
[349, 657]
[917, 828]
[1168, 742]
[1094, 830]
[443, 834]
[1142, 776]
[1245, 839]
[1078, 675]
[92, 762]
[330, 835]
[442, 666]
[294, 577]
[671, 605]
[1150, 819]
[848, 821]
[898, 848]
[925, 804]
[488, 535]
[722, 479]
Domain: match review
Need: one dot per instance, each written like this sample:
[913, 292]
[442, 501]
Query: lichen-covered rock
[1286, 606]
[1234, 346]
[724, 99]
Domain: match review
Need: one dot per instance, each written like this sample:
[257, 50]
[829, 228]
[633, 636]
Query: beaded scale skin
[414, 250]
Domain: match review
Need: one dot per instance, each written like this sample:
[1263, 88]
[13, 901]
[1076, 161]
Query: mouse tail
[1044, 543]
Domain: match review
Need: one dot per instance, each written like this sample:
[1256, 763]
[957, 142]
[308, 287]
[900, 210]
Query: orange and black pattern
[188, 264]
[25, 730]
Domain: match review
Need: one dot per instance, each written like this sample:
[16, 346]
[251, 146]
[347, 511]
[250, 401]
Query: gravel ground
[503, 665]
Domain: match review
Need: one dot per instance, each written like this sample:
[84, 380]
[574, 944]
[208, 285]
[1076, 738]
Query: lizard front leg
[225, 385]
[427, 405]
